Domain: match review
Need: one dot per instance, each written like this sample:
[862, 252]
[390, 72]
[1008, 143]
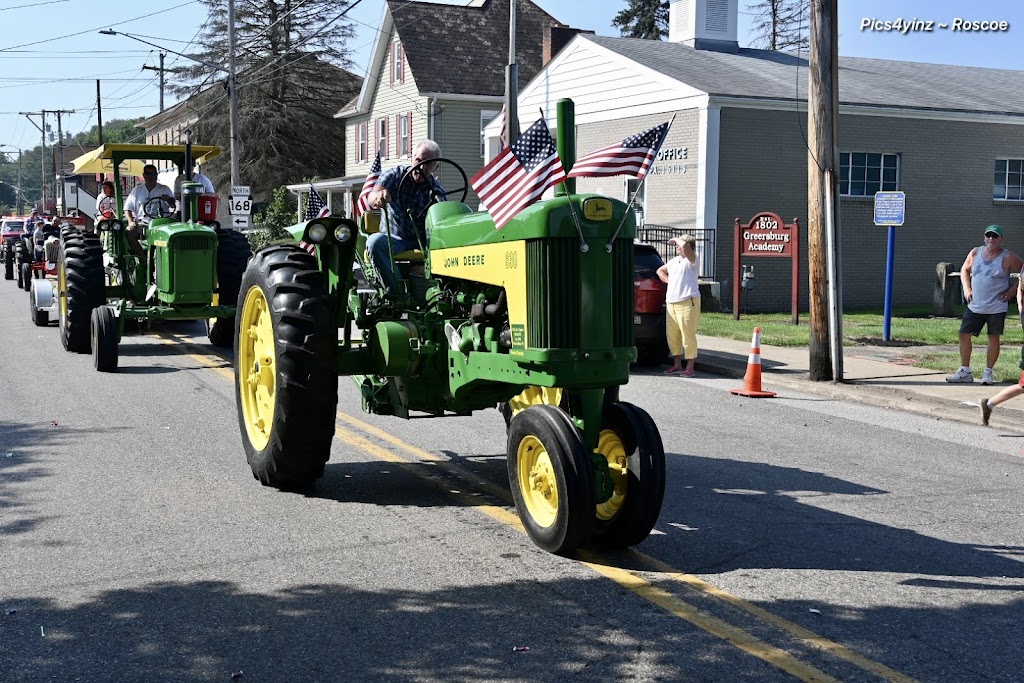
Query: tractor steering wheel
[434, 198]
[157, 207]
[107, 207]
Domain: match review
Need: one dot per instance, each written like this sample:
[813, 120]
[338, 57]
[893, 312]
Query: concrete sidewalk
[873, 375]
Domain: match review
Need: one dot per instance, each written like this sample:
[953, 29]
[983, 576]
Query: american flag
[363, 203]
[633, 156]
[519, 175]
[315, 207]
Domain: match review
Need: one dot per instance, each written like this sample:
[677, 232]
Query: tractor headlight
[115, 226]
[317, 232]
[103, 225]
[342, 233]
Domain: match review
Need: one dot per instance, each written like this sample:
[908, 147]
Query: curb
[1009, 419]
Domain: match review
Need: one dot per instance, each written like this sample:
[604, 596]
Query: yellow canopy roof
[134, 157]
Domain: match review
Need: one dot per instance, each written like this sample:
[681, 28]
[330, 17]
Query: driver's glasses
[149, 175]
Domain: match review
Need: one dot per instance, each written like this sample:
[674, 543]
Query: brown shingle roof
[464, 49]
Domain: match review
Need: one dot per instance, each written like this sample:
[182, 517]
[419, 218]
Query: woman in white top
[106, 204]
[682, 304]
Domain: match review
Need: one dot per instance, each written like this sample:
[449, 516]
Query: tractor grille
[553, 306]
[622, 293]
[193, 243]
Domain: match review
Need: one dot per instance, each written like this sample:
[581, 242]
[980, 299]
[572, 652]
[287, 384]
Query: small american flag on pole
[363, 203]
[315, 206]
[519, 175]
[633, 156]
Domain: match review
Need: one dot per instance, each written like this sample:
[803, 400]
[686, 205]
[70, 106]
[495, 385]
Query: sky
[51, 53]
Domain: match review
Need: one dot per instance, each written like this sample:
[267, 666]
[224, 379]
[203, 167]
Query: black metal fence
[659, 235]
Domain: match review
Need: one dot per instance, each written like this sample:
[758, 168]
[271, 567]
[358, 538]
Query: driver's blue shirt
[415, 198]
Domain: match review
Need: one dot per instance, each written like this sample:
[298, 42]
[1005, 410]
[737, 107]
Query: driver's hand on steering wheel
[380, 198]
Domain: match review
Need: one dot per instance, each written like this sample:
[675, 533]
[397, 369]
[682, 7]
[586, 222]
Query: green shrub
[271, 222]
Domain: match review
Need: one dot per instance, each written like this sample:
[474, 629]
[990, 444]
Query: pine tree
[781, 24]
[289, 64]
[643, 19]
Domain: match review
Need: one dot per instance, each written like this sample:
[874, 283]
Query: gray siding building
[951, 138]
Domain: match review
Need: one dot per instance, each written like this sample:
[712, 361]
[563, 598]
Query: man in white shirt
[135, 205]
[197, 177]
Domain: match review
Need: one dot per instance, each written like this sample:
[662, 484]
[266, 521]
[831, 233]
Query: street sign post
[890, 209]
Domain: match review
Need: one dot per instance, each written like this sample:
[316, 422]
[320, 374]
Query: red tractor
[11, 228]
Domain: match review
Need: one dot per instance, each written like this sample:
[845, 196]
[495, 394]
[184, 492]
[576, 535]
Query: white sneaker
[961, 376]
[986, 376]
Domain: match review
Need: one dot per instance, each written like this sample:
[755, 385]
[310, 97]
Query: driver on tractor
[407, 211]
[139, 207]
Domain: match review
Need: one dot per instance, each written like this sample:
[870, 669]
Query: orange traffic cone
[752, 380]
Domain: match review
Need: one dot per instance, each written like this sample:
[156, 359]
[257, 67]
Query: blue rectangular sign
[890, 207]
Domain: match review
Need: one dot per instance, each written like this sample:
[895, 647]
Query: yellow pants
[681, 321]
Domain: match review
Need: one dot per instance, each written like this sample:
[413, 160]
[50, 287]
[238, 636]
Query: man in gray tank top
[987, 287]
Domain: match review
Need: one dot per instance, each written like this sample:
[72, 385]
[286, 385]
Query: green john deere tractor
[185, 269]
[537, 316]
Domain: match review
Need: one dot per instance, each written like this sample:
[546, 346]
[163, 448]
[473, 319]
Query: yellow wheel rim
[535, 396]
[610, 446]
[537, 481]
[257, 367]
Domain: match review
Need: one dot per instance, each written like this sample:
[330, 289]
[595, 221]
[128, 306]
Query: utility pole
[824, 292]
[99, 112]
[161, 70]
[42, 154]
[59, 175]
[236, 170]
[18, 200]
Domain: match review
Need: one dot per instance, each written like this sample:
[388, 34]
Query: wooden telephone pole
[822, 234]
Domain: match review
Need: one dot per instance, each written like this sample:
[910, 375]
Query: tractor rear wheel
[551, 478]
[80, 288]
[286, 373]
[636, 463]
[103, 335]
[9, 259]
[233, 254]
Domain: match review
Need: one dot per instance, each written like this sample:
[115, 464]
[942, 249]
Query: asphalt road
[801, 538]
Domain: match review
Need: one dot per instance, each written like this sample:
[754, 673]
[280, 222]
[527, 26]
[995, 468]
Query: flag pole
[608, 247]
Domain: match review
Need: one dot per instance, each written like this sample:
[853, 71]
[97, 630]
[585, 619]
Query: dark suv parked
[649, 305]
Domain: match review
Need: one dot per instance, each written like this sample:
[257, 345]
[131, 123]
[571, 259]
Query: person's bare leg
[993, 350]
[966, 346]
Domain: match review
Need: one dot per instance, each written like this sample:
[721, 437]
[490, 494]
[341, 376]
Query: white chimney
[704, 24]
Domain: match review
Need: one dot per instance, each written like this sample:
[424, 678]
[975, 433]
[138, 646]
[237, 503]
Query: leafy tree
[290, 84]
[271, 221]
[781, 24]
[116, 130]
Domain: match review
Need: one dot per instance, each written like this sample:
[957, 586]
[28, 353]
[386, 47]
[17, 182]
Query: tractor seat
[369, 223]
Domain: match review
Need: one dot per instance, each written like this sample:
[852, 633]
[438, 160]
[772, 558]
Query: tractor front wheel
[40, 317]
[551, 478]
[80, 288]
[9, 259]
[631, 444]
[26, 276]
[286, 374]
[103, 334]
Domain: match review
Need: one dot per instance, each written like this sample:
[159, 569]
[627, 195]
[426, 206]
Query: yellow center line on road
[628, 579]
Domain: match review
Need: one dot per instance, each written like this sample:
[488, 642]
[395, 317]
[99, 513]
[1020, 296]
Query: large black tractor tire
[103, 336]
[286, 373]
[551, 478]
[9, 259]
[26, 276]
[17, 269]
[233, 254]
[632, 444]
[80, 288]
